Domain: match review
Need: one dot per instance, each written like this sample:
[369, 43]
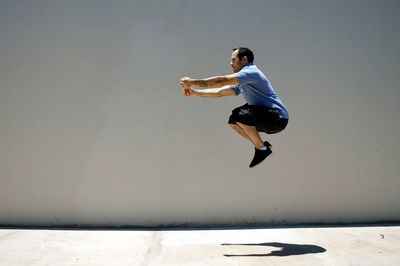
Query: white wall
[94, 129]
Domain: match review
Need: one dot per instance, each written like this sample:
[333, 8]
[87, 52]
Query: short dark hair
[244, 51]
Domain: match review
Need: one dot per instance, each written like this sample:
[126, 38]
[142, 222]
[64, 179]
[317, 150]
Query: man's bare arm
[216, 81]
[213, 92]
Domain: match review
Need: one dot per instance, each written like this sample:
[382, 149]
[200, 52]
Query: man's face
[237, 64]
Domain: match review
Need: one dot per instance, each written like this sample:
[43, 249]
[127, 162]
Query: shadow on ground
[286, 249]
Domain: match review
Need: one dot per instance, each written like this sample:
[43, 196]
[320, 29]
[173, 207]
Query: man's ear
[245, 60]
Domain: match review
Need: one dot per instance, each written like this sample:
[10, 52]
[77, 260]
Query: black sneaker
[260, 155]
[268, 145]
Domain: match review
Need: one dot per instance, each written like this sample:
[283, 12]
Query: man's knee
[234, 126]
[238, 129]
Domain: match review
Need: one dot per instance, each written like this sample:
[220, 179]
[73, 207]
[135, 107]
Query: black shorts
[265, 119]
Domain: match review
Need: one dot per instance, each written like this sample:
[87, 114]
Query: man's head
[240, 57]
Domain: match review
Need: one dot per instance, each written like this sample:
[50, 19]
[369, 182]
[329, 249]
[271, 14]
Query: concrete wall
[94, 129]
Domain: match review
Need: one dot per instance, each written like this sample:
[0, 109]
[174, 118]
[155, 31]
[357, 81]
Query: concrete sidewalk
[364, 245]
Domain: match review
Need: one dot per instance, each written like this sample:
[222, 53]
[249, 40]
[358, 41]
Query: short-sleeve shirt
[257, 89]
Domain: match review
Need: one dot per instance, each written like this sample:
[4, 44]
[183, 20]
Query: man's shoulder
[251, 69]
[252, 72]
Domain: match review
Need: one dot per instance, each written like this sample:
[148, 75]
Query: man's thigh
[242, 114]
[263, 118]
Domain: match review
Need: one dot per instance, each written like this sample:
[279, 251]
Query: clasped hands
[186, 87]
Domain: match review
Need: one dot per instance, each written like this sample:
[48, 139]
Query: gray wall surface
[94, 129]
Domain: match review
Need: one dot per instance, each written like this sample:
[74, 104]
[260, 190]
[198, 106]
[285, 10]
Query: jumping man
[263, 112]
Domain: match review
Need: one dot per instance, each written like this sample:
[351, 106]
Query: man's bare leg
[240, 131]
[252, 134]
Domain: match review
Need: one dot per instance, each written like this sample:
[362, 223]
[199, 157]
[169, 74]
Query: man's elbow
[218, 94]
[225, 91]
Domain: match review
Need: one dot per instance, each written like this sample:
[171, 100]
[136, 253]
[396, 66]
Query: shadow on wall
[286, 249]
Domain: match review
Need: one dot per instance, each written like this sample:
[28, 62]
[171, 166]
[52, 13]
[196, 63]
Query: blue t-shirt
[257, 90]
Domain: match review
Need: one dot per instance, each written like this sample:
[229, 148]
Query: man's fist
[185, 82]
[188, 92]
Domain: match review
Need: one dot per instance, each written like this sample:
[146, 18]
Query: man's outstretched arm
[209, 93]
[216, 81]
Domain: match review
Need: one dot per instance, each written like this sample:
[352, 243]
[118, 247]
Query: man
[263, 112]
